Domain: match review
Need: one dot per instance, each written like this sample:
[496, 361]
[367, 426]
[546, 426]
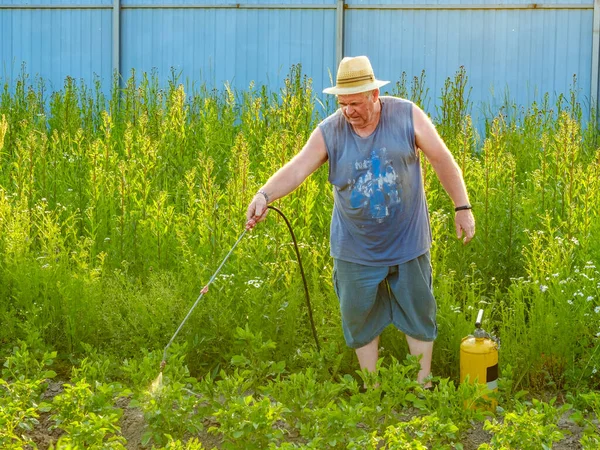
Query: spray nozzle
[163, 363]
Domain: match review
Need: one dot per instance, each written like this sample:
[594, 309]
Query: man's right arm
[289, 177]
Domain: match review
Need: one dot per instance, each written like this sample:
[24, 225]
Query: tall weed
[115, 212]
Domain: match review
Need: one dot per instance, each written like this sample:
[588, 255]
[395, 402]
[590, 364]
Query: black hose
[310, 314]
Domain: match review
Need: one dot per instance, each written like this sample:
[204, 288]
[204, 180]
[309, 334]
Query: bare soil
[476, 436]
[132, 426]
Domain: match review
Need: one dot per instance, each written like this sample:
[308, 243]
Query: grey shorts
[371, 298]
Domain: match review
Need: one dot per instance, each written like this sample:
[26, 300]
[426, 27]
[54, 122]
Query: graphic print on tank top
[375, 188]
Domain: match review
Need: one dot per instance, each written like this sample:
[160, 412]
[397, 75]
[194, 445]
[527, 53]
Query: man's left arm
[448, 172]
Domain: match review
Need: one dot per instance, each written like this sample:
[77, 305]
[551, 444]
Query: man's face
[359, 109]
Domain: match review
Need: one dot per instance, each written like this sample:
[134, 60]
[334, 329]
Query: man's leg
[424, 348]
[368, 355]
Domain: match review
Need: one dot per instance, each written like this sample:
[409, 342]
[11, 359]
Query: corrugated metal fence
[513, 45]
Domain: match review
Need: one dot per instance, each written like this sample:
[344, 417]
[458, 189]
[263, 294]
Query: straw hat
[355, 75]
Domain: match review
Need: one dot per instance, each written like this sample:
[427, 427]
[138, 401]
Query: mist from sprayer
[156, 385]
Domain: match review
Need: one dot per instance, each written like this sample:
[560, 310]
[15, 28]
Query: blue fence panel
[230, 45]
[56, 43]
[523, 52]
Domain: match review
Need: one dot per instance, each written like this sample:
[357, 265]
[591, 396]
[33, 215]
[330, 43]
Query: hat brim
[355, 89]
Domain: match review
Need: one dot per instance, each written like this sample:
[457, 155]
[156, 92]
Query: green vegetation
[115, 212]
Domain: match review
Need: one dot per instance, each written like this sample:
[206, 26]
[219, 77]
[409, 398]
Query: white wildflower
[543, 288]
[256, 283]
[590, 298]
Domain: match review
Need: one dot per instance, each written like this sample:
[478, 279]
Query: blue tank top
[380, 215]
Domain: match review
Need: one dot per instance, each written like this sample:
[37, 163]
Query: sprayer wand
[204, 290]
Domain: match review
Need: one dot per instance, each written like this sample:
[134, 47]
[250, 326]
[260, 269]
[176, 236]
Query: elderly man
[380, 232]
